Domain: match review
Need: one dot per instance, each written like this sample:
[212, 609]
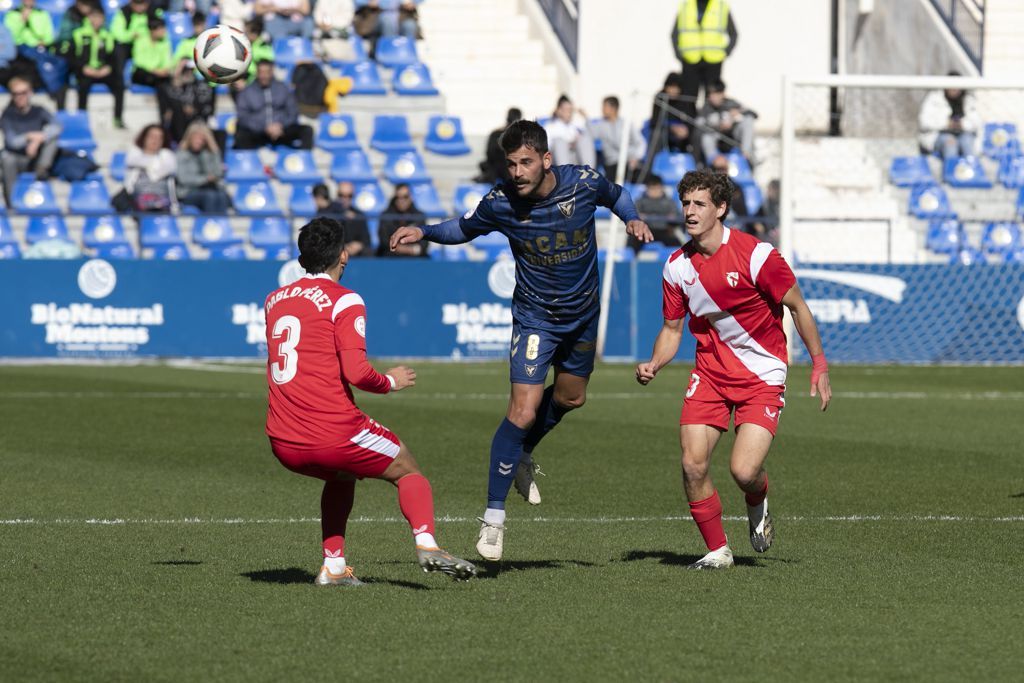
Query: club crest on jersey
[567, 207]
[732, 277]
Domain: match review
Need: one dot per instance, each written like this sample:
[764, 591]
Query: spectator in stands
[92, 56]
[12, 64]
[234, 12]
[371, 21]
[30, 136]
[670, 127]
[262, 51]
[726, 124]
[492, 168]
[31, 27]
[186, 48]
[189, 99]
[129, 23]
[608, 131]
[283, 18]
[400, 212]
[357, 230]
[661, 213]
[325, 206]
[738, 204]
[767, 226]
[949, 122]
[73, 18]
[200, 173]
[703, 36]
[568, 140]
[150, 167]
[268, 114]
[151, 59]
[333, 19]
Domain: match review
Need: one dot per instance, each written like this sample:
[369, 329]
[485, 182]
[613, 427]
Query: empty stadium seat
[944, 237]
[391, 134]
[965, 172]
[967, 256]
[75, 134]
[270, 233]
[445, 136]
[414, 80]
[227, 252]
[50, 227]
[752, 197]
[114, 250]
[369, 199]
[171, 252]
[117, 166]
[449, 252]
[226, 121]
[256, 199]
[739, 168]
[930, 201]
[33, 197]
[10, 250]
[89, 198]
[103, 230]
[999, 239]
[336, 132]
[244, 165]
[297, 166]
[7, 235]
[281, 253]
[365, 78]
[1000, 140]
[159, 230]
[291, 50]
[352, 165]
[1011, 172]
[672, 166]
[405, 167]
[468, 195]
[208, 231]
[635, 190]
[424, 196]
[395, 51]
[620, 255]
[179, 25]
[910, 171]
[301, 203]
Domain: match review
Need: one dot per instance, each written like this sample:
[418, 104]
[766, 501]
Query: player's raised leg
[698, 442]
[335, 507]
[747, 466]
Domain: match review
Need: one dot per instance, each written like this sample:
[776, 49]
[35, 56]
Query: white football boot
[762, 527]
[491, 540]
[716, 559]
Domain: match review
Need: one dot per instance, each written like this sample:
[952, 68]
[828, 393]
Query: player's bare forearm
[808, 330]
[665, 347]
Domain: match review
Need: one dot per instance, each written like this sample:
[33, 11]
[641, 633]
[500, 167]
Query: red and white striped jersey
[733, 299]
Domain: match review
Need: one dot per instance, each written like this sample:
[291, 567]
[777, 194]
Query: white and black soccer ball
[223, 54]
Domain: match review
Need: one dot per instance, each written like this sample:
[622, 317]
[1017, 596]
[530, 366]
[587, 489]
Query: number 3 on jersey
[290, 328]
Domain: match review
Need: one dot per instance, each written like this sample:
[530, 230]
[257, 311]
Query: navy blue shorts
[535, 349]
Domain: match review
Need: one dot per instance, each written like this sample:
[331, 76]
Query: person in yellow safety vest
[703, 36]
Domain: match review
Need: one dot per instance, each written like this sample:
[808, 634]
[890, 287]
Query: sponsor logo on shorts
[532, 348]
[732, 277]
[769, 414]
[531, 370]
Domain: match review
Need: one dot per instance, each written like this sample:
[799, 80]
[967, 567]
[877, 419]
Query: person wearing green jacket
[262, 51]
[30, 26]
[92, 56]
[153, 65]
[187, 46]
[131, 22]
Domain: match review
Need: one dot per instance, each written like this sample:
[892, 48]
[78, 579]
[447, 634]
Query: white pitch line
[119, 521]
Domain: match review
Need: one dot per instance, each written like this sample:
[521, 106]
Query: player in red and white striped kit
[733, 287]
[316, 342]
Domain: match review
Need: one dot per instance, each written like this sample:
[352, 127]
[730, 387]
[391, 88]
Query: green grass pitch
[148, 534]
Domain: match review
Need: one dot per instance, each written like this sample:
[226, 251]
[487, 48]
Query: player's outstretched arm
[665, 347]
[402, 377]
[447, 232]
[808, 331]
[626, 211]
[405, 235]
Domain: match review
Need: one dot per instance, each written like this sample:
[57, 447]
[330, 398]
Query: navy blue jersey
[553, 241]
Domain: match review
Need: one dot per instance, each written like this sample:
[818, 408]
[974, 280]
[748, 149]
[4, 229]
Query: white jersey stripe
[350, 299]
[377, 443]
[757, 259]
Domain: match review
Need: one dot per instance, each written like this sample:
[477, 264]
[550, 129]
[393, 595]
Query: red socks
[755, 499]
[708, 515]
[335, 507]
[417, 503]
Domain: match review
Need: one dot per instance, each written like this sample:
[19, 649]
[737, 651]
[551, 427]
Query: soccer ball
[223, 54]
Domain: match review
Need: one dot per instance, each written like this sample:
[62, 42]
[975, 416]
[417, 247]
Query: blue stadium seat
[365, 78]
[159, 230]
[1015, 256]
[336, 132]
[54, 6]
[672, 166]
[103, 231]
[445, 136]
[281, 253]
[256, 199]
[1000, 140]
[369, 199]
[967, 256]
[301, 202]
[297, 166]
[391, 134]
[448, 252]
[7, 235]
[405, 167]
[114, 251]
[1000, 239]
[424, 196]
[944, 237]
[930, 201]
[635, 190]
[227, 252]
[10, 250]
[965, 172]
[352, 165]
[50, 227]
[291, 50]
[179, 25]
[117, 166]
[468, 195]
[395, 51]
[89, 198]
[1011, 172]
[75, 134]
[208, 231]
[244, 165]
[752, 197]
[171, 252]
[621, 255]
[227, 122]
[739, 168]
[413, 79]
[645, 130]
[270, 233]
[910, 171]
[33, 197]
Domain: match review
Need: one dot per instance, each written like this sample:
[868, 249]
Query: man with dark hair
[316, 342]
[30, 136]
[492, 168]
[357, 229]
[733, 287]
[660, 212]
[268, 114]
[401, 211]
[92, 56]
[608, 131]
[727, 124]
[152, 64]
[547, 214]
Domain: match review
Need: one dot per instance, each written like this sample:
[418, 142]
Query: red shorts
[366, 454]
[706, 404]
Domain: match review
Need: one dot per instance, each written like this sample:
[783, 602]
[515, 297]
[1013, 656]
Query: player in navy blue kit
[547, 213]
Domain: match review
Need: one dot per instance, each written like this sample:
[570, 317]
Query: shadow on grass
[677, 560]
[293, 575]
[178, 563]
[492, 570]
[1018, 495]
[397, 584]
